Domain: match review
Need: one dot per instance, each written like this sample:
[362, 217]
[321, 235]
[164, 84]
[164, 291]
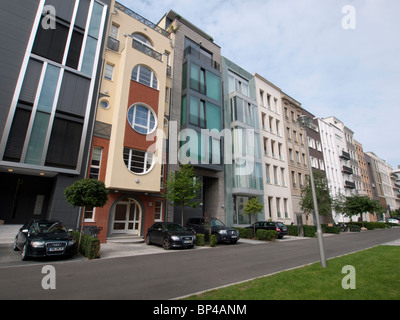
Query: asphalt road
[182, 272]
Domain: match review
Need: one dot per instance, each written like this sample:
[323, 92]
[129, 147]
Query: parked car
[218, 228]
[394, 220]
[271, 225]
[170, 235]
[44, 238]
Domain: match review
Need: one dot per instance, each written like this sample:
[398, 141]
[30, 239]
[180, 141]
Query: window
[158, 211]
[104, 104]
[108, 72]
[89, 214]
[197, 112]
[95, 163]
[142, 119]
[144, 76]
[137, 161]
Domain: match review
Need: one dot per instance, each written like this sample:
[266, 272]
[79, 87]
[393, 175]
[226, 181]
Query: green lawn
[377, 277]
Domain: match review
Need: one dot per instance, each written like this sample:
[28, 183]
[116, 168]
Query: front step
[125, 239]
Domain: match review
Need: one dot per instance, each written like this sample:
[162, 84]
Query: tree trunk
[81, 227]
[183, 206]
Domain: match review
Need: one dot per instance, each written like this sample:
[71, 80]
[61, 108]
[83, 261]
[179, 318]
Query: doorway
[127, 217]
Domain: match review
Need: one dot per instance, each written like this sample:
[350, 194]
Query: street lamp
[304, 123]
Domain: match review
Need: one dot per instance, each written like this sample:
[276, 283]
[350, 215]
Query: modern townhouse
[277, 191]
[371, 176]
[196, 117]
[348, 134]
[51, 62]
[296, 154]
[395, 180]
[382, 172]
[243, 165]
[130, 134]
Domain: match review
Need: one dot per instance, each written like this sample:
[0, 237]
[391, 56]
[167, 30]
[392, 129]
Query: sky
[336, 57]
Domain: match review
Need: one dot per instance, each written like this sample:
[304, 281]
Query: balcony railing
[201, 57]
[138, 17]
[347, 170]
[345, 155]
[113, 44]
[146, 50]
[349, 184]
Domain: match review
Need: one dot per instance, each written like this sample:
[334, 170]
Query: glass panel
[130, 226]
[183, 114]
[88, 57]
[132, 209]
[213, 116]
[95, 21]
[49, 88]
[119, 226]
[120, 212]
[213, 86]
[38, 135]
[194, 111]
[194, 77]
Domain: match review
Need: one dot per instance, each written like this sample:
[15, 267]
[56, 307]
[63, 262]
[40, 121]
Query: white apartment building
[277, 194]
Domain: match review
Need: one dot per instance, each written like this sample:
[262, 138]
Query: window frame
[145, 160]
[153, 78]
[150, 113]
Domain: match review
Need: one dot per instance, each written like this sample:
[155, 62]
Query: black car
[218, 228]
[44, 238]
[271, 225]
[170, 235]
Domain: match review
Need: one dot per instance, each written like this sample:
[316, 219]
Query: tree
[355, 205]
[324, 199]
[183, 188]
[253, 207]
[86, 193]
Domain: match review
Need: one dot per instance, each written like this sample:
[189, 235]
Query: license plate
[233, 236]
[187, 241]
[56, 249]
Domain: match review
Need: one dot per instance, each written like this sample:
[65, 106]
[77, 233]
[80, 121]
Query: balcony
[345, 155]
[113, 44]
[201, 57]
[347, 170]
[349, 184]
[141, 19]
[146, 50]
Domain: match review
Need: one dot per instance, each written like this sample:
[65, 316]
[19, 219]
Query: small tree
[86, 193]
[355, 205]
[183, 188]
[253, 207]
[324, 199]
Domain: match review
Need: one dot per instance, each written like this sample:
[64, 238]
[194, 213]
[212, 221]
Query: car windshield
[47, 227]
[280, 224]
[217, 223]
[174, 227]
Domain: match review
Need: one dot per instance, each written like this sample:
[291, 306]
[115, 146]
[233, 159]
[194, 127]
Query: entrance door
[127, 216]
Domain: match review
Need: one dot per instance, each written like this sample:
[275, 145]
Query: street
[182, 272]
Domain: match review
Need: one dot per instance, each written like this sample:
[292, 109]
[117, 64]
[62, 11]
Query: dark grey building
[51, 61]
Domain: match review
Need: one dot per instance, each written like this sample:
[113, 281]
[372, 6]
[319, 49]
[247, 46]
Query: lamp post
[304, 122]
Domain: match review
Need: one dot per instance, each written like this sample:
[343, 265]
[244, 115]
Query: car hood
[218, 228]
[180, 233]
[51, 237]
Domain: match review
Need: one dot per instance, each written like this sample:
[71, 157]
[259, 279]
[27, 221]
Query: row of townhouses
[91, 89]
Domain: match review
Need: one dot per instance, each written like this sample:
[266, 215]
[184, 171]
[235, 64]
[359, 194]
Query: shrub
[200, 239]
[213, 240]
[246, 232]
[309, 231]
[292, 230]
[328, 229]
[269, 235]
[89, 247]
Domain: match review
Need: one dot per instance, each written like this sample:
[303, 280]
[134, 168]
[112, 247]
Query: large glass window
[142, 119]
[197, 112]
[144, 76]
[213, 86]
[213, 116]
[138, 161]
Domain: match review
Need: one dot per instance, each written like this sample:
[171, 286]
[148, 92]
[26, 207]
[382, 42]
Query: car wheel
[166, 244]
[15, 245]
[217, 238]
[24, 254]
[148, 239]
